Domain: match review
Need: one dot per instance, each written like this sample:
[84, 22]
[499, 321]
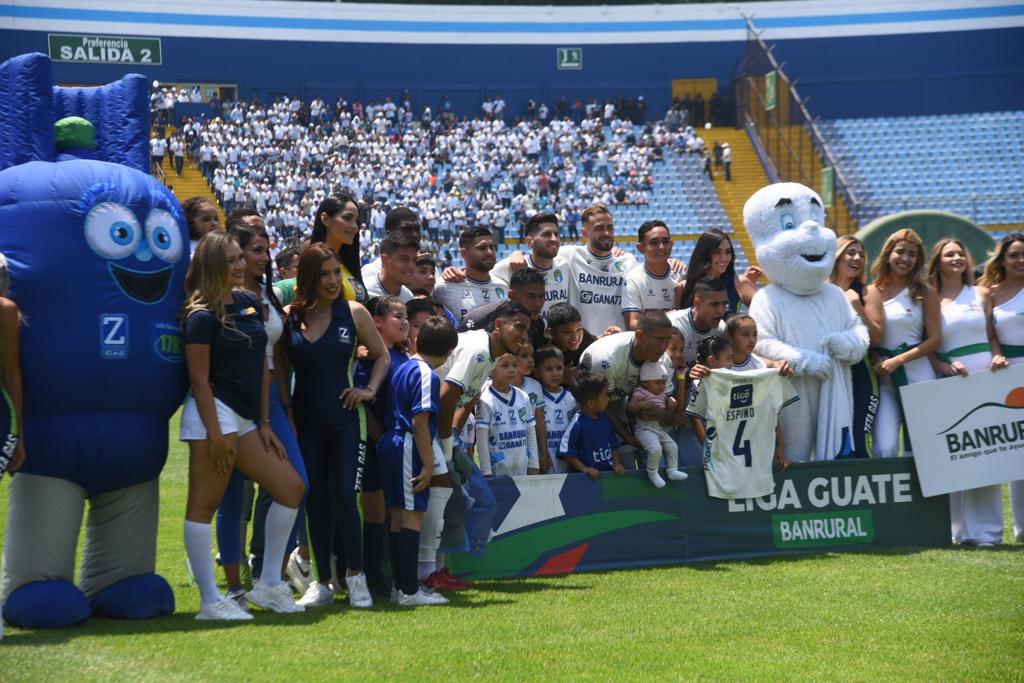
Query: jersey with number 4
[740, 411]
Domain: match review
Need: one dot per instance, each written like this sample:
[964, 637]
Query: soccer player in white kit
[1004, 276]
[597, 274]
[478, 288]
[541, 235]
[651, 284]
[969, 344]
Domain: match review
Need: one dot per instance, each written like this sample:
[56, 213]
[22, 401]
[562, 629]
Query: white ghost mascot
[804, 319]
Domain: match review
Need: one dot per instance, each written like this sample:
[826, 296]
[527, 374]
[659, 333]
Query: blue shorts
[399, 463]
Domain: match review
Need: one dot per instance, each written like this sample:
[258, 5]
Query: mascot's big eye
[112, 230]
[787, 222]
[163, 235]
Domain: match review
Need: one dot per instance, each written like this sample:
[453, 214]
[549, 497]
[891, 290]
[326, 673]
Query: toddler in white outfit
[651, 433]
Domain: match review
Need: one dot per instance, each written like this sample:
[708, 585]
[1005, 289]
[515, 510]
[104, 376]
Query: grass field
[951, 614]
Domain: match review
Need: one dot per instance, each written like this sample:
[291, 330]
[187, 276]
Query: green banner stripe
[513, 555]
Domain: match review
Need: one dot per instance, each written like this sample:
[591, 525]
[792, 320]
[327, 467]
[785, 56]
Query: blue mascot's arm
[26, 110]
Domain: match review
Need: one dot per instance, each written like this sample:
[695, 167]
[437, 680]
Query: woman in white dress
[1004, 276]
[911, 330]
[969, 344]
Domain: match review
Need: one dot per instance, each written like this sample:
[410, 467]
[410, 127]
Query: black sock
[409, 549]
[373, 542]
[394, 546]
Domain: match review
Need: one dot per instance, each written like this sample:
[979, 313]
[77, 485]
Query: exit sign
[570, 58]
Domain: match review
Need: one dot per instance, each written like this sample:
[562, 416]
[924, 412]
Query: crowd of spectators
[283, 158]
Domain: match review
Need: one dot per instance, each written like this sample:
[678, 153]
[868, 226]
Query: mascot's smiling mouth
[144, 287]
[813, 258]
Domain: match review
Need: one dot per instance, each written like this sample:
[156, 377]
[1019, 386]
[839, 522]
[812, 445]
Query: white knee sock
[278, 528]
[430, 532]
[198, 542]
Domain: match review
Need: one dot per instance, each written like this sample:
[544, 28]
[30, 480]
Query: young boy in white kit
[651, 433]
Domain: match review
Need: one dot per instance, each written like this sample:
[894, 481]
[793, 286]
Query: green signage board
[771, 90]
[828, 185]
[105, 49]
[556, 524]
[569, 58]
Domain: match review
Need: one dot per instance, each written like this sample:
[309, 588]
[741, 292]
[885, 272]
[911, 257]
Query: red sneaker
[446, 581]
[455, 580]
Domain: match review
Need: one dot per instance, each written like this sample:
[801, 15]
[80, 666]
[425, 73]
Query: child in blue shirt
[407, 454]
[589, 443]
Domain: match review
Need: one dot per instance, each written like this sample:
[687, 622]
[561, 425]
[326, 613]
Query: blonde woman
[905, 307]
[226, 423]
[1004, 276]
[969, 344]
[849, 273]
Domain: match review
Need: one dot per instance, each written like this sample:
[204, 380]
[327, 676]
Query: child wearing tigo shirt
[589, 443]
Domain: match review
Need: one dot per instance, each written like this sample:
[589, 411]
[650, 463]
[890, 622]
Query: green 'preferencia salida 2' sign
[105, 49]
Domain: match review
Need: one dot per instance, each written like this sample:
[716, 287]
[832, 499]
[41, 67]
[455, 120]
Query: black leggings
[334, 453]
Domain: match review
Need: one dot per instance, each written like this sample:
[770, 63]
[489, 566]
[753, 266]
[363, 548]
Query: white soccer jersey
[740, 410]
[507, 419]
[556, 279]
[643, 291]
[683, 321]
[461, 297]
[375, 288]
[596, 288]
[470, 365]
[535, 391]
[559, 409]
[612, 357]
[372, 269]
[751, 363]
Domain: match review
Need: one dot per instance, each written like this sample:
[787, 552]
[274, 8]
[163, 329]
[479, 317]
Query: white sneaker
[655, 479]
[423, 596]
[299, 571]
[676, 475]
[317, 595]
[277, 599]
[358, 592]
[224, 609]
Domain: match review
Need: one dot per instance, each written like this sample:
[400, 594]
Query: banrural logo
[987, 428]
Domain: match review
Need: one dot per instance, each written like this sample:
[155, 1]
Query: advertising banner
[558, 524]
[105, 49]
[967, 431]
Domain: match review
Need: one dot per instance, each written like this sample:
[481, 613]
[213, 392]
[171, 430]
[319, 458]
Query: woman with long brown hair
[849, 273]
[906, 308]
[226, 421]
[1004, 276]
[969, 344]
[321, 336]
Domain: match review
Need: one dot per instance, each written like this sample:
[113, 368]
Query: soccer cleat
[443, 579]
[676, 475]
[224, 609]
[656, 479]
[238, 595]
[317, 595]
[421, 597]
[276, 599]
[358, 592]
[299, 571]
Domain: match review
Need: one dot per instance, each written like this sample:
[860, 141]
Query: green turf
[955, 614]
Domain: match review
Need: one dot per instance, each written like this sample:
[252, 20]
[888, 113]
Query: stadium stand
[968, 164]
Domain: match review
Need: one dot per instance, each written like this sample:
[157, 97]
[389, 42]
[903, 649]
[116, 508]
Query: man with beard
[541, 236]
[479, 288]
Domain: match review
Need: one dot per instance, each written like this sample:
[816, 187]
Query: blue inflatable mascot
[98, 251]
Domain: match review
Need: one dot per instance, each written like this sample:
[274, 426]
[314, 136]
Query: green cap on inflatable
[74, 132]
